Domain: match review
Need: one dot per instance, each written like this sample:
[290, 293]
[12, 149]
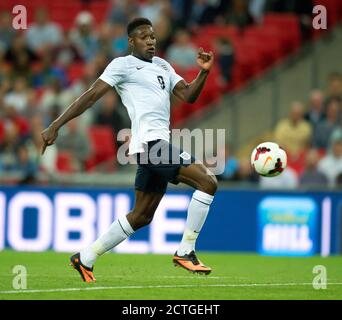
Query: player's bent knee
[141, 219]
[146, 220]
[209, 185]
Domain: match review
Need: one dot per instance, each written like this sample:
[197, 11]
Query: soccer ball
[268, 159]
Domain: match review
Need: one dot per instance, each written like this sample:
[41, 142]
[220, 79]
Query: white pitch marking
[166, 287]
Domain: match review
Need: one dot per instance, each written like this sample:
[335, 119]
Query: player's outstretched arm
[81, 104]
[189, 92]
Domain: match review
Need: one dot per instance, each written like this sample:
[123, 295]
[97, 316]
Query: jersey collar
[150, 61]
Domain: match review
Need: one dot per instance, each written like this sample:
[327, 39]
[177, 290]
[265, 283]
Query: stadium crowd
[46, 67]
[312, 138]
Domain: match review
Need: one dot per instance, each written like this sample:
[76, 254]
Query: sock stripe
[123, 229]
[200, 201]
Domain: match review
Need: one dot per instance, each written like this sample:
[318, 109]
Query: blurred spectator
[198, 10]
[325, 128]
[54, 100]
[11, 117]
[90, 74]
[5, 87]
[315, 113]
[66, 53]
[122, 11]
[286, 180]
[205, 12]
[92, 71]
[3, 64]
[109, 114]
[302, 8]
[7, 32]
[151, 9]
[245, 173]
[9, 147]
[331, 164]
[26, 167]
[294, 133]
[238, 14]
[311, 177]
[182, 53]
[105, 39]
[48, 72]
[17, 48]
[225, 57]
[18, 98]
[339, 180]
[257, 9]
[119, 40]
[101, 61]
[112, 113]
[43, 35]
[182, 11]
[164, 28]
[334, 87]
[83, 37]
[74, 140]
[22, 68]
[231, 165]
[46, 163]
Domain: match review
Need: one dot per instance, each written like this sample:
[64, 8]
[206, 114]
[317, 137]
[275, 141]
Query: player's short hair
[137, 22]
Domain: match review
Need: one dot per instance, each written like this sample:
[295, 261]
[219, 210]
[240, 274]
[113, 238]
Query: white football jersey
[144, 88]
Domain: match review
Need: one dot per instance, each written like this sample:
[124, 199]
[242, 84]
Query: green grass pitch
[152, 277]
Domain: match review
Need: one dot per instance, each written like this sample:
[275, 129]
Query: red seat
[99, 10]
[288, 26]
[269, 51]
[2, 131]
[254, 55]
[65, 13]
[270, 37]
[177, 114]
[206, 42]
[75, 71]
[22, 125]
[64, 162]
[211, 93]
[230, 32]
[103, 144]
[297, 163]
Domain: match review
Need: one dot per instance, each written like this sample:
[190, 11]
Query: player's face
[143, 42]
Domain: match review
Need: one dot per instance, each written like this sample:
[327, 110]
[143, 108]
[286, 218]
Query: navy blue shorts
[158, 165]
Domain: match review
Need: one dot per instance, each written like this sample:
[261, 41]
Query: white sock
[197, 213]
[118, 231]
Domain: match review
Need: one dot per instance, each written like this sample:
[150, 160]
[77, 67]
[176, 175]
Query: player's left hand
[204, 59]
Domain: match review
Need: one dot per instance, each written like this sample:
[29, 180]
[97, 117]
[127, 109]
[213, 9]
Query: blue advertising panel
[272, 223]
[287, 226]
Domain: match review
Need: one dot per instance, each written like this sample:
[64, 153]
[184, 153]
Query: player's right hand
[49, 136]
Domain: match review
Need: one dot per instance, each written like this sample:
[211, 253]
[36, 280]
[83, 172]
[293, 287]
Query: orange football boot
[85, 272]
[191, 263]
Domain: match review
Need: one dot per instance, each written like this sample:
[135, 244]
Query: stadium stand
[256, 48]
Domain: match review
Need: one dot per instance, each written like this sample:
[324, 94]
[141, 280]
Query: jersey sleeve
[174, 77]
[115, 72]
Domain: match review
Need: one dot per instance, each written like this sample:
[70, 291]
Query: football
[268, 159]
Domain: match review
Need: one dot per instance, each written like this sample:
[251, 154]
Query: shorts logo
[185, 156]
